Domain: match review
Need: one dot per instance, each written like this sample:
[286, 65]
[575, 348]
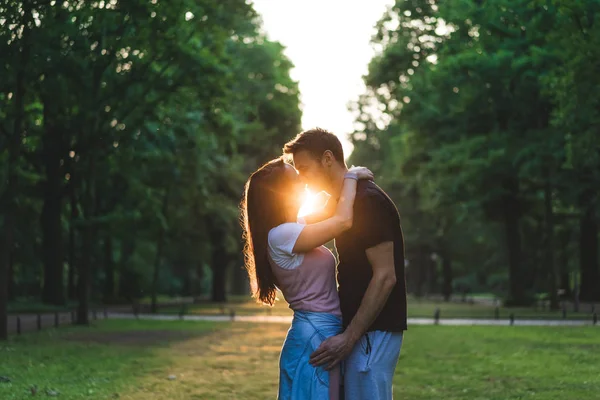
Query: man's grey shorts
[369, 370]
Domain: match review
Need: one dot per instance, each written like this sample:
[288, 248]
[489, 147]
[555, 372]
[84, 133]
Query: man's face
[311, 171]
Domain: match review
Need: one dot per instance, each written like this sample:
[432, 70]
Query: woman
[283, 252]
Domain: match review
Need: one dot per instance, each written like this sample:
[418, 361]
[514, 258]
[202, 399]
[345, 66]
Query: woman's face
[296, 191]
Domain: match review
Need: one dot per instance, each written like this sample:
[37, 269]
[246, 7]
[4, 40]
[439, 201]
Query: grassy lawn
[99, 362]
[416, 309]
[134, 360]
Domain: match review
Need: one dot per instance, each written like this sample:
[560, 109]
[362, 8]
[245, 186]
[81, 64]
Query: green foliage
[84, 362]
[472, 109]
[141, 120]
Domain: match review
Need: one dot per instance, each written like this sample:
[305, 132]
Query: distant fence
[593, 316]
[30, 322]
[22, 323]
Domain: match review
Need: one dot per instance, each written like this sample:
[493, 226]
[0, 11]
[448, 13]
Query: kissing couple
[346, 333]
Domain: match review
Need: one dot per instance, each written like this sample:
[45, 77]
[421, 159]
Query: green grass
[240, 361]
[416, 309]
[97, 362]
[501, 363]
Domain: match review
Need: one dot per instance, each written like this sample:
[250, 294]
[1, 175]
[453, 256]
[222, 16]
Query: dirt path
[243, 360]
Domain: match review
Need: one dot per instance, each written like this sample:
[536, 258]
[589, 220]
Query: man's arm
[379, 236]
[337, 348]
[383, 281]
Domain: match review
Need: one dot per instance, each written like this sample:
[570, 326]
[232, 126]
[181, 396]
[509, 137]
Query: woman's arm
[315, 235]
[327, 211]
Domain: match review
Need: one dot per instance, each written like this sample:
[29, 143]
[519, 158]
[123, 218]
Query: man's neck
[337, 180]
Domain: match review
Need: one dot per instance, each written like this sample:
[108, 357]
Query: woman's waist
[322, 321]
[316, 304]
[307, 324]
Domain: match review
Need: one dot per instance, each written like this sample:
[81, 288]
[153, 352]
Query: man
[371, 282]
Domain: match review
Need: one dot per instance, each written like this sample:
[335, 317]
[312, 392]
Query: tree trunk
[432, 276]
[7, 199]
[72, 282]
[89, 210]
[12, 287]
[72, 289]
[198, 288]
[156, 272]
[563, 262]
[109, 265]
[219, 263]
[240, 284]
[219, 282]
[420, 270]
[551, 269]
[159, 251]
[447, 276]
[52, 246]
[511, 206]
[127, 279]
[83, 284]
[565, 283]
[5, 249]
[588, 257]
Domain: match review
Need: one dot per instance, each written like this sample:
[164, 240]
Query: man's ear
[328, 159]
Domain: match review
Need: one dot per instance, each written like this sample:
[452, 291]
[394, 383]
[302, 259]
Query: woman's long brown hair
[264, 206]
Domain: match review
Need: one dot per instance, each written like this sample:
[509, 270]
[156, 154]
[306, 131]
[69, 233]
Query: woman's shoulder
[282, 239]
[285, 232]
[285, 227]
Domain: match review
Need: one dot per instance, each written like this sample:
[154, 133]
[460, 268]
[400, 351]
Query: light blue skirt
[298, 380]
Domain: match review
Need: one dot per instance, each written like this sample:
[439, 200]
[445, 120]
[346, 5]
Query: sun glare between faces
[312, 202]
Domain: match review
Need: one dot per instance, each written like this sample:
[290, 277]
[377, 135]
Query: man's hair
[316, 141]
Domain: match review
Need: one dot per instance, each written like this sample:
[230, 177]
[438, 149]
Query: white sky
[328, 42]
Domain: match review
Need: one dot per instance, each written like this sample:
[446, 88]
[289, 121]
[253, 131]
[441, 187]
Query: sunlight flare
[312, 202]
[309, 203]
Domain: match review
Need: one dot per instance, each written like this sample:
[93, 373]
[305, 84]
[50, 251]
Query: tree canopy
[127, 129]
[484, 123]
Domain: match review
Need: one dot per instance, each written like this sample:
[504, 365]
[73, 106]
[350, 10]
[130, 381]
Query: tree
[461, 112]
[145, 119]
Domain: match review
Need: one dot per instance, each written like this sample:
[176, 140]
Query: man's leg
[369, 370]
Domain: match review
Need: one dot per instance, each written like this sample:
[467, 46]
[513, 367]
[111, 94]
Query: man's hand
[332, 351]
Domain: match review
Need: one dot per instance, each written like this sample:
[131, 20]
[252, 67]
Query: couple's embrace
[345, 338]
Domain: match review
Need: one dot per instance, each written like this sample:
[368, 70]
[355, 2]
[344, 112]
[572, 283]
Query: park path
[31, 322]
[411, 321]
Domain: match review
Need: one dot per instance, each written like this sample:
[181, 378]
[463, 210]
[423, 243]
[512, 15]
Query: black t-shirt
[376, 220]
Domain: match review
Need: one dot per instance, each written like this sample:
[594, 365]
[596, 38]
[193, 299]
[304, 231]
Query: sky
[328, 42]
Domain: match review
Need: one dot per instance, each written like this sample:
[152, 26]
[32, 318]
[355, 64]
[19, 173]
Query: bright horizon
[328, 43]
